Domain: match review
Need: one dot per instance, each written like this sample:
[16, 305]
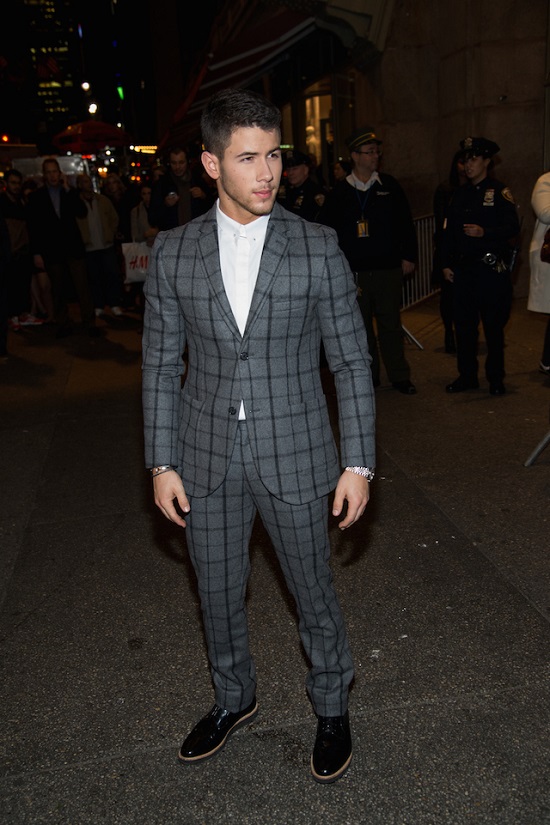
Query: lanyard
[363, 200]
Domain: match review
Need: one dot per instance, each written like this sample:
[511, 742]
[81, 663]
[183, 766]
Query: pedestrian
[539, 284]
[251, 289]
[5, 254]
[178, 196]
[372, 217]
[19, 269]
[58, 248]
[142, 231]
[340, 170]
[481, 224]
[98, 229]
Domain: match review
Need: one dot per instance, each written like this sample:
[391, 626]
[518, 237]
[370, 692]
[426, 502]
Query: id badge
[362, 229]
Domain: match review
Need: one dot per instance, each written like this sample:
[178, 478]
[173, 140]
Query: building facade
[424, 73]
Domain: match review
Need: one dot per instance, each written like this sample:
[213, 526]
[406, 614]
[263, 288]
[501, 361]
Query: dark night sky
[116, 50]
[130, 61]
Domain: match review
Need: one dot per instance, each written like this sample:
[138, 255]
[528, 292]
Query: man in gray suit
[251, 290]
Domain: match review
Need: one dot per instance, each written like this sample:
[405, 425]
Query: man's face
[52, 173]
[249, 173]
[297, 174]
[476, 168]
[85, 184]
[14, 184]
[112, 184]
[367, 159]
[178, 163]
[146, 195]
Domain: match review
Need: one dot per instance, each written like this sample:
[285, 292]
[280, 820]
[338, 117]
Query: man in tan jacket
[98, 229]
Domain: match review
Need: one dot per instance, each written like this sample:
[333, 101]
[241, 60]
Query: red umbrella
[90, 136]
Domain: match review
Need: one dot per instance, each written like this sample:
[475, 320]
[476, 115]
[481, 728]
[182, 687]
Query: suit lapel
[274, 250]
[275, 247]
[209, 254]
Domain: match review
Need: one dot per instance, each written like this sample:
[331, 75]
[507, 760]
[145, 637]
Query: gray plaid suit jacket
[304, 294]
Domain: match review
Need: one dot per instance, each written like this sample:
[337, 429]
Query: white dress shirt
[362, 185]
[241, 250]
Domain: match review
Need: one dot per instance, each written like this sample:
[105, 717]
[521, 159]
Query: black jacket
[391, 233]
[488, 204]
[167, 217]
[55, 238]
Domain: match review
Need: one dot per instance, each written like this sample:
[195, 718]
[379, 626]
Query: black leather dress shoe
[497, 388]
[406, 387]
[461, 384]
[332, 750]
[211, 733]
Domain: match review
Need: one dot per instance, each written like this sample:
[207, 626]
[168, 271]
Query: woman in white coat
[539, 287]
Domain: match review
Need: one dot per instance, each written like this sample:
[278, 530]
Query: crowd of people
[62, 243]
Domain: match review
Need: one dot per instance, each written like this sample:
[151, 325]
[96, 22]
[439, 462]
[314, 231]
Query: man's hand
[448, 274]
[38, 262]
[407, 267]
[167, 487]
[354, 489]
[197, 192]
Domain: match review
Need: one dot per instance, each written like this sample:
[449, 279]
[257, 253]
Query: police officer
[476, 249]
[298, 193]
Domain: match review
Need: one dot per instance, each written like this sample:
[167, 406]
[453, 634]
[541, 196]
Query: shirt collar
[359, 184]
[252, 230]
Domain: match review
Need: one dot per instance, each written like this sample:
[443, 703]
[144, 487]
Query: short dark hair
[233, 109]
[13, 173]
[50, 160]
[176, 150]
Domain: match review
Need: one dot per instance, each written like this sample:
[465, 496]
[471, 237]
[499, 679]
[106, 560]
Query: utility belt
[490, 259]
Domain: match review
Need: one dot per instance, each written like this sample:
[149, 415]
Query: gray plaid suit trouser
[218, 533]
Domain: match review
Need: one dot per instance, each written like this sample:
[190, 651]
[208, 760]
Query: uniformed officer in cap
[480, 227]
[372, 217]
[298, 193]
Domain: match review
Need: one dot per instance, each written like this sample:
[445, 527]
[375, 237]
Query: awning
[253, 53]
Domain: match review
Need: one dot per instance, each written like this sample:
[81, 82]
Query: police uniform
[480, 266]
[306, 199]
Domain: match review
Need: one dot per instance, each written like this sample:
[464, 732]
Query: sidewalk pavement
[445, 585]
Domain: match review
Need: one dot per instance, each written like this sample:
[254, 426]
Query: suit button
[244, 356]
[232, 410]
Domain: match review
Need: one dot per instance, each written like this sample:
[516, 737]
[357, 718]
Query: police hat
[361, 136]
[475, 147]
[293, 157]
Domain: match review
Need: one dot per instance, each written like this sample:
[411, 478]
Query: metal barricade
[419, 286]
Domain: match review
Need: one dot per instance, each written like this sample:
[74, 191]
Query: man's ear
[211, 164]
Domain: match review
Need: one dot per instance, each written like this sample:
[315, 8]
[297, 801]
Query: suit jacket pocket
[295, 450]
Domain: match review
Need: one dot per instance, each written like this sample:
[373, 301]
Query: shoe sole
[333, 777]
[185, 760]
